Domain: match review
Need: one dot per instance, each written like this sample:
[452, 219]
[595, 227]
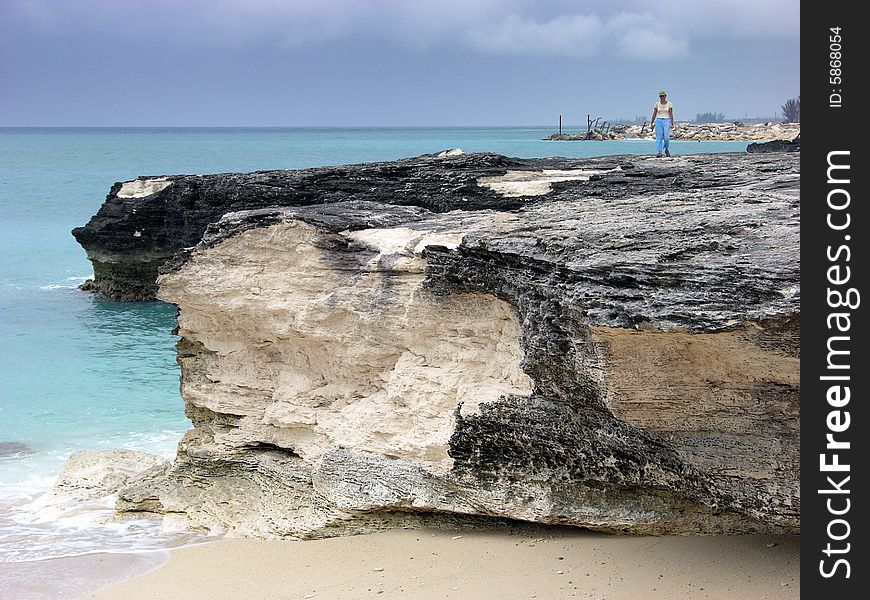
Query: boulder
[93, 474]
[611, 343]
[776, 146]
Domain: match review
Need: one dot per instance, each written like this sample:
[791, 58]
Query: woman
[663, 120]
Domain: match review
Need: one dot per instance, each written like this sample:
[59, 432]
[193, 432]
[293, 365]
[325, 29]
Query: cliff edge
[611, 343]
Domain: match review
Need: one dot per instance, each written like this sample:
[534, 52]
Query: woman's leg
[660, 136]
[666, 134]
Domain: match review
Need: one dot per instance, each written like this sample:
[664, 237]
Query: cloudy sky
[389, 62]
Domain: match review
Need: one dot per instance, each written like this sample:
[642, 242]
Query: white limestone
[515, 184]
[315, 349]
[92, 477]
[403, 243]
[139, 188]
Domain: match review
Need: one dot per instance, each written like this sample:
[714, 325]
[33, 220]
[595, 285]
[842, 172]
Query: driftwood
[591, 126]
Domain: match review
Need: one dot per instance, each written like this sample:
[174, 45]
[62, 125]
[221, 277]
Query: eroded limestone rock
[93, 477]
[92, 474]
[316, 341]
[130, 238]
[617, 351]
[776, 146]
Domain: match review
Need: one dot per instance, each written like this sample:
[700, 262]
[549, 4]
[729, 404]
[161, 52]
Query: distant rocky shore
[692, 131]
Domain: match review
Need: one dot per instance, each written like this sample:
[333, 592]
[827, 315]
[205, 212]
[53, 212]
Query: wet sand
[72, 577]
[523, 561]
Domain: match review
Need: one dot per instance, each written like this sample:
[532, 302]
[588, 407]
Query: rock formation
[596, 135]
[723, 131]
[611, 343]
[92, 474]
[776, 146]
[14, 448]
[91, 477]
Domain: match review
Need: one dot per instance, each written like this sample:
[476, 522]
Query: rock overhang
[582, 278]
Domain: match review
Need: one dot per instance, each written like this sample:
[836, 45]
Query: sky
[178, 63]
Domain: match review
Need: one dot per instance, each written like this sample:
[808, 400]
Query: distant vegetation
[709, 117]
[791, 110]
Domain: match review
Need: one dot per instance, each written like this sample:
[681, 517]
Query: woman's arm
[671, 113]
[652, 119]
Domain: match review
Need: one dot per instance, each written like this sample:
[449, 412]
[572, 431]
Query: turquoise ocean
[80, 372]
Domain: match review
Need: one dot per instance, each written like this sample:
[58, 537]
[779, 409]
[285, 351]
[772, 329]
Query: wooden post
[560, 124]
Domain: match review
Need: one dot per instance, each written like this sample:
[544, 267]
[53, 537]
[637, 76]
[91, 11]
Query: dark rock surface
[14, 448]
[130, 238]
[776, 146]
[658, 311]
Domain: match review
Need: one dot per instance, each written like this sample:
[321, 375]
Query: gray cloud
[576, 35]
[630, 35]
[628, 28]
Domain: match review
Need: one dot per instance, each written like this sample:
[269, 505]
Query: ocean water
[79, 372]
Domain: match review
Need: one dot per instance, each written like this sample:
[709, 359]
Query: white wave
[86, 530]
[36, 525]
[76, 282]
[26, 488]
[54, 526]
[163, 443]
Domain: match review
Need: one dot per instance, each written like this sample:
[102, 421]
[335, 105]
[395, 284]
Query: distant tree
[709, 117]
[791, 110]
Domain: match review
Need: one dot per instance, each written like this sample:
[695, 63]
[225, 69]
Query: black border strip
[834, 232]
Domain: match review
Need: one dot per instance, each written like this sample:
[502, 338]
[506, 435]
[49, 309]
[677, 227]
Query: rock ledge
[610, 343]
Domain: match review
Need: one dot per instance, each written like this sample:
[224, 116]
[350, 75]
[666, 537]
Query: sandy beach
[522, 561]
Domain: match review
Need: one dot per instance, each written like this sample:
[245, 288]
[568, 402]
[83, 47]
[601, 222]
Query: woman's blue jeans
[663, 135]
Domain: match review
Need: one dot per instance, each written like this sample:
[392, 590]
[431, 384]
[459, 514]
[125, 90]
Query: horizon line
[417, 126]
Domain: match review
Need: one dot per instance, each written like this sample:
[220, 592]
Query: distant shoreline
[707, 132]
